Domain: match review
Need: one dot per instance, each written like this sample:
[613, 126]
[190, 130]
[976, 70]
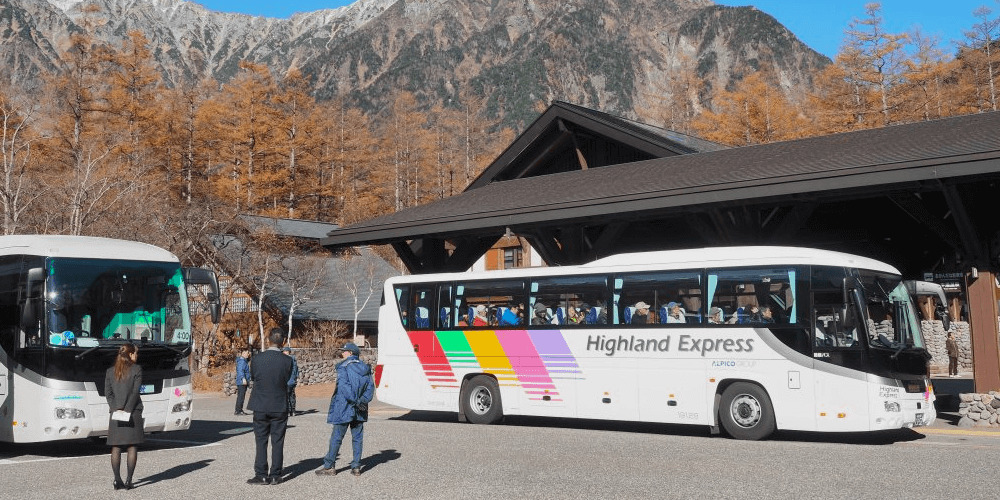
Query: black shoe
[323, 471]
[257, 480]
[118, 485]
[356, 471]
[274, 480]
[129, 485]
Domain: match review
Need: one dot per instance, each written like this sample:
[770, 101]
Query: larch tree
[293, 107]
[981, 54]
[246, 121]
[675, 100]
[874, 60]
[756, 111]
[18, 187]
[925, 93]
[84, 181]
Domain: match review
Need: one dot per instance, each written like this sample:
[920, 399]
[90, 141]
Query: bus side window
[423, 304]
[446, 314]
[830, 330]
[568, 301]
[10, 316]
[755, 296]
[403, 302]
[663, 292]
[485, 302]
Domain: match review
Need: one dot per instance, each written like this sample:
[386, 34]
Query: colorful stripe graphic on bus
[531, 360]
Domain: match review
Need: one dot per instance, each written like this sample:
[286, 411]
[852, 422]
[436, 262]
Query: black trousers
[241, 394]
[290, 400]
[269, 426]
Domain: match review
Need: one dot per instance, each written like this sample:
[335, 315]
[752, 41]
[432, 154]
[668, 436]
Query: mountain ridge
[612, 55]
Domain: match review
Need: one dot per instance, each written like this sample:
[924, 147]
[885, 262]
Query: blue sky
[818, 23]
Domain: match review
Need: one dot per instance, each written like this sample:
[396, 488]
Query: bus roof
[683, 259]
[86, 247]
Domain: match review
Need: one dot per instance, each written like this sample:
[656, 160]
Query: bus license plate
[146, 389]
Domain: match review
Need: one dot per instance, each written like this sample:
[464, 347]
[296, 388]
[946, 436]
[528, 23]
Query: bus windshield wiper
[88, 351]
[182, 352]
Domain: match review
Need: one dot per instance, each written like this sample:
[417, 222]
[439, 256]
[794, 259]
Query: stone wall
[934, 339]
[314, 368]
[979, 410]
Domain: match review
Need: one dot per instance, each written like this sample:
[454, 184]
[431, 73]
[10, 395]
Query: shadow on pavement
[173, 472]
[859, 438]
[202, 432]
[379, 458]
[304, 466]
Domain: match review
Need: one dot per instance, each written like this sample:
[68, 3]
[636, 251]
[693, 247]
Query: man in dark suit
[270, 371]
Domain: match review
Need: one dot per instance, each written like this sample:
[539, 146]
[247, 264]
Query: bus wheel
[481, 400]
[745, 412]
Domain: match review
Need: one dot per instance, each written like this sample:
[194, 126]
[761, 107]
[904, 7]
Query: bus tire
[481, 400]
[745, 412]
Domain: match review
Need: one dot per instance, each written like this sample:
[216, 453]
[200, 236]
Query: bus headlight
[892, 406]
[64, 413]
[182, 406]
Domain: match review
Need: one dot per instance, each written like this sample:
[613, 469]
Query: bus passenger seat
[423, 318]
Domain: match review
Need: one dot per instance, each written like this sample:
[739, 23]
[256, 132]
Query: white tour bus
[67, 303]
[752, 339]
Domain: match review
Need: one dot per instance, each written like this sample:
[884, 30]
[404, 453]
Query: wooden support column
[983, 325]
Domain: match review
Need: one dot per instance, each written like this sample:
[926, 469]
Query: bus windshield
[87, 300]
[892, 319]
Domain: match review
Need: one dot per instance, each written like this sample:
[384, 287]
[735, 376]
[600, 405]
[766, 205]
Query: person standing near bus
[270, 371]
[292, 381]
[125, 424]
[348, 408]
[242, 379]
[952, 347]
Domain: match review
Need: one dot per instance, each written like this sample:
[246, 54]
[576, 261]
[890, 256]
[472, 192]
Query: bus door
[839, 352]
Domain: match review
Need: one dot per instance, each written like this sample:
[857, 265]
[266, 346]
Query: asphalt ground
[431, 455]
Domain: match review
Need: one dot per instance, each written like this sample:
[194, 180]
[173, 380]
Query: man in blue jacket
[293, 381]
[242, 379]
[348, 408]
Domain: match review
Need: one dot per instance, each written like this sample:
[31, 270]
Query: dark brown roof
[564, 128]
[820, 166]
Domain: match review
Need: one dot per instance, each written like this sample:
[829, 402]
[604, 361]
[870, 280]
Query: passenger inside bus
[674, 313]
[480, 317]
[640, 315]
[762, 315]
[542, 316]
[511, 316]
[715, 316]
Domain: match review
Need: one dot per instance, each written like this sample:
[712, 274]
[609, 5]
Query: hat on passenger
[480, 309]
[641, 305]
[350, 346]
[539, 307]
[670, 305]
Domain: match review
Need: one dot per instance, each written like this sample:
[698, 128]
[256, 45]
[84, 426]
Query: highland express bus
[752, 339]
[67, 303]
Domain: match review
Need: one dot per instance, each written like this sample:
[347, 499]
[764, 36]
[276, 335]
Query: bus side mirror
[945, 318]
[35, 287]
[199, 276]
[36, 278]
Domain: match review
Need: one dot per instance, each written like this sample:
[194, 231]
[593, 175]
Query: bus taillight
[378, 375]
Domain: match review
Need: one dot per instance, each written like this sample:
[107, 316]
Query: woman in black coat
[121, 386]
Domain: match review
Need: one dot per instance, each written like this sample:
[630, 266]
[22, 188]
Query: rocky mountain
[613, 55]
